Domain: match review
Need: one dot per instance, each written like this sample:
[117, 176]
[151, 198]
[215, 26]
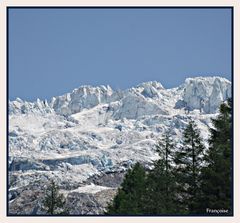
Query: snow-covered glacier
[87, 139]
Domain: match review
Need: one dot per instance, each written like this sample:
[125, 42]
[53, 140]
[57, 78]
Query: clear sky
[53, 51]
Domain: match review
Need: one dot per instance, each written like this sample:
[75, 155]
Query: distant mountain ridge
[210, 90]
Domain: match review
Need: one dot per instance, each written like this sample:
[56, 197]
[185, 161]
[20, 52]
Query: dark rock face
[108, 179]
[27, 200]
[89, 204]
[24, 164]
[25, 203]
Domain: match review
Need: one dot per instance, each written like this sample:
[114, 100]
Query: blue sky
[53, 51]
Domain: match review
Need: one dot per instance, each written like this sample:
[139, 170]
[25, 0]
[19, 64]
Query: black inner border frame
[120, 7]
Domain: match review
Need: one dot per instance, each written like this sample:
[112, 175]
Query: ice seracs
[150, 89]
[206, 94]
[92, 134]
[202, 93]
[23, 107]
[84, 97]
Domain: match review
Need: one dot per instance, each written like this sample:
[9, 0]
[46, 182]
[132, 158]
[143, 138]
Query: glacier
[87, 139]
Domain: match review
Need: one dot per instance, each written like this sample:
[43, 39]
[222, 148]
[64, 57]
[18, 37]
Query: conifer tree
[216, 175]
[164, 149]
[129, 198]
[53, 201]
[160, 192]
[188, 160]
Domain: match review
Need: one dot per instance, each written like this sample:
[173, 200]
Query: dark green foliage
[129, 199]
[216, 176]
[161, 184]
[164, 148]
[185, 180]
[188, 160]
[160, 196]
[54, 202]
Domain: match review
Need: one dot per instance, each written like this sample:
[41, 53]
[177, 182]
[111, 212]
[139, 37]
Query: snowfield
[87, 139]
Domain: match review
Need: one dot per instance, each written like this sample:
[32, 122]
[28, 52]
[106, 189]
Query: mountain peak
[206, 93]
[154, 84]
[210, 79]
[92, 88]
[203, 93]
